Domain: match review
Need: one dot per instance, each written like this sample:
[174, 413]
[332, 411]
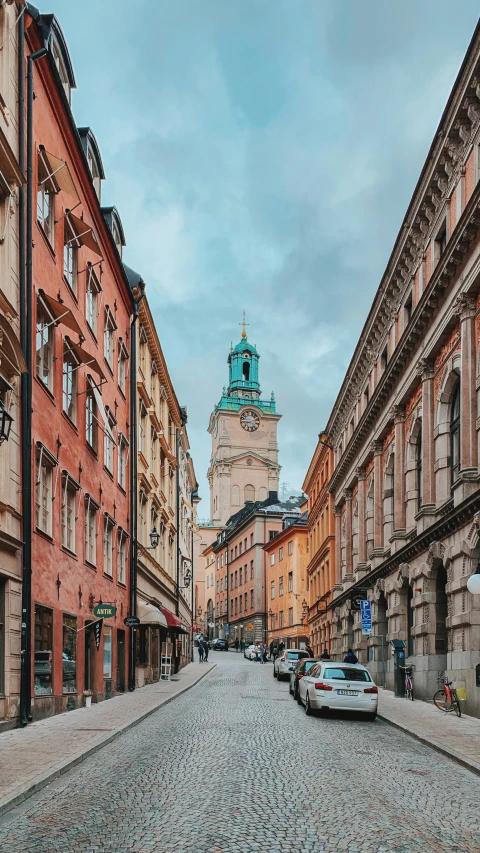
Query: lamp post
[473, 583]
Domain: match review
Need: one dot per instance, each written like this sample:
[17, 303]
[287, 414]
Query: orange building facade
[321, 550]
[287, 597]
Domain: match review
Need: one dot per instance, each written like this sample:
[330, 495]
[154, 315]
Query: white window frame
[69, 515]
[91, 300]
[91, 420]
[44, 493]
[109, 337]
[122, 557]
[69, 386]
[61, 67]
[70, 256]
[122, 367]
[44, 347]
[108, 527]
[45, 202]
[272, 590]
[91, 511]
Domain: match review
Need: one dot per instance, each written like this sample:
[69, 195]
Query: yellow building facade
[286, 571]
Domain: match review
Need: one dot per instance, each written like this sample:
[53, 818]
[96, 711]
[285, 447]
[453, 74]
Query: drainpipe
[133, 481]
[26, 318]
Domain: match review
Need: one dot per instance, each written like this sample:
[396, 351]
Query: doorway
[120, 661]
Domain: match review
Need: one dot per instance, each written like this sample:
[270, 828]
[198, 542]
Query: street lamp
[6, 421]
[473, 583]
[154, 537]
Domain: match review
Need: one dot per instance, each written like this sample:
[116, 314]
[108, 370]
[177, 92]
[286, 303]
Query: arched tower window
[419, 469]
[246, 371]
[249, 493]
[455, 432]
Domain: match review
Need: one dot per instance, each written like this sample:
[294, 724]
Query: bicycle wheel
[456, 705]
[411, 690]
[442, 701]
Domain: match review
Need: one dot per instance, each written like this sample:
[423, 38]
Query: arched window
[249, 493]
[419, 469]
[246, 371]
[455, 432]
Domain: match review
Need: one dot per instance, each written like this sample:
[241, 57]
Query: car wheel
[308, 709]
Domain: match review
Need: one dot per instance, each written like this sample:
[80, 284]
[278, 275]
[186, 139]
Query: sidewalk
[34, 756]
[457, 738]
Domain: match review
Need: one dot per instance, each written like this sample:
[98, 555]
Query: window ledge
[92, 449]
[70, 553]
[108, 366]
[69, 421]
[45, 535]
[107, 471]
[122, 584]
[47, 390]
[90, 565]
[109, 577]
[46, 240]
[70, 290]
[122, 489]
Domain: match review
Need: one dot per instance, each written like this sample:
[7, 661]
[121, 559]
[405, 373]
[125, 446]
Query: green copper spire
[243, 384]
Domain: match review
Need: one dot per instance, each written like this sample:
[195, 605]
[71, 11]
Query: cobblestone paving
[235, 766]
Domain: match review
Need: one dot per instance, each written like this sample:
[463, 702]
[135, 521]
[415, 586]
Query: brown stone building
[287, 595]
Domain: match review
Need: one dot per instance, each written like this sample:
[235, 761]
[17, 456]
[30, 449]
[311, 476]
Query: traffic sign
[227, 629]
[104, 611]
[131, 621]
[366, 614]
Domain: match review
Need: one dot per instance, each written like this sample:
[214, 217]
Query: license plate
[347, 692]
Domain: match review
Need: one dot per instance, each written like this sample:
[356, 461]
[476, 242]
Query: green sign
[104, 611]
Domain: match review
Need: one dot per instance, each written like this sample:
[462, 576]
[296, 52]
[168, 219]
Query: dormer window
[117, 238]
[94, 171]
[61, 68]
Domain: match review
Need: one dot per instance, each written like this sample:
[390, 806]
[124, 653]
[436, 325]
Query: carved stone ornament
[464, 306]
[376, 447]
[361, 473]
[425, 368]
[378, 590]
[398, 414]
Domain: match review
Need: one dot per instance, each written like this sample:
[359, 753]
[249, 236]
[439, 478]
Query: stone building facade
[287, 595]
[405, 426]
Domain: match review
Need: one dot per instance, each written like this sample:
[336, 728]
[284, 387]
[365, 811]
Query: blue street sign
[227, 629]
[366, 614]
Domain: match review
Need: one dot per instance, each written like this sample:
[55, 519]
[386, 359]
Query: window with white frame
[117, 238]
[272, 559]
[44, 492]
[290, 581]
[153, 448]
[70, 256]
[122, 461]
[290, 548]
[272, 589]
[44, 346]
[280, 585]
[45, 201]
[70, 371]
[90, 531]
[122, 366]
[108, 526]
[280, 555]
[108, 444]
[91, 300]
[122, 557]
[61, 67]
[69, 498]
[94, 171]
[142, 428]
[108, 337]
[91, 420]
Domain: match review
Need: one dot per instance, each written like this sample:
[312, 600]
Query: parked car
[287, 661]
[248, 652]
[301, 669]
[220, 645]
[339, 687]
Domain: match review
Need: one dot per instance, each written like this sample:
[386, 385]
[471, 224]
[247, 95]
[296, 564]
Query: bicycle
[408, 670]
[446, 698]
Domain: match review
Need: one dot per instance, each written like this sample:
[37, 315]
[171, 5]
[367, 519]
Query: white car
[339, 687]
[248, 652]
[286, 663]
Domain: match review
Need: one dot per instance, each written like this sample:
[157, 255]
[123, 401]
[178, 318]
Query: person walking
[255, 652]
[325, 655]
[309, 650]
[281, 647]
[272, 647]
[200, 651]
[237, 644]
[206, 646]
[350, 657]
[261, 652]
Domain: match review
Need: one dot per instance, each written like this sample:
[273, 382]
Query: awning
[58, 172]
[84, 357]
[173, 622]
[60, 313]
[83, 233]
[150, 615]
[101, 409]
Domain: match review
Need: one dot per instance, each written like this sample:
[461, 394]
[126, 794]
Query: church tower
[244, 464]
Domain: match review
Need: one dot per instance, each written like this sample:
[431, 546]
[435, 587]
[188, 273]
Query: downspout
[133, 481]
[26, 319]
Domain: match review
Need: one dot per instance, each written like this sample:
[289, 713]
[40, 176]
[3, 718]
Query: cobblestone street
[234, 766]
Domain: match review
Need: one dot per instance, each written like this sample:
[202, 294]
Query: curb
[34, 789]
[453, 756]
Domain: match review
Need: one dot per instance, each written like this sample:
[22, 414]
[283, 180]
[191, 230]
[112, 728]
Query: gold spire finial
[244, 324]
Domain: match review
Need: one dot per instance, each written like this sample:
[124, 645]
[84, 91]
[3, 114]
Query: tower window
[246, 371]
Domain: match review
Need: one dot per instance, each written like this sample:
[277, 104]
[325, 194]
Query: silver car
[285, 663]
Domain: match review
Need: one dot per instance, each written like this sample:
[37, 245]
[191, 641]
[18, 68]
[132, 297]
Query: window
[70, 256]
[122, 367]
[246, 601]
[122, 557]
[241, 602]
[108, 337]
[231, 581]
[251, 598]
[235, 552]
[44, 492]
[69, 493]
[272, 559]
[290, 615]
[236, 606]
[70, 386]
[122, 461]
[91, 300]
[245, 544]
[249, 493]
[407, 311]
[272, 622]
[280, 585]
[236, 578]
[252, 570]
[94, 171]
[240, 548]
[43, 661]
[241, 576]
[455, 432]
[272, 589]
[366, 397]
[272, 534]
[44, 347]
[384, 360]
[142, 428]
[290, 582]
[251, 540]
[440, 243]
[280, 619]
[69, 654]
[419, 470]
[280, 555]
[61, 68]
[45, 201]
[117, 238]
[290, 548]
[91, 421]
[107, 652]
[108, 546]
[108, 443]
[90, 531]
[217, 587]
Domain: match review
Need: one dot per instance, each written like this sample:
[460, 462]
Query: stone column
[348, 534]
[337, 511]
[426, 370]
[362, 517]
[399, 520]
[465, 304]
[377, 447]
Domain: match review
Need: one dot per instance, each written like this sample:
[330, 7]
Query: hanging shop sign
[104, 611]
[131, 621]
[97, 628]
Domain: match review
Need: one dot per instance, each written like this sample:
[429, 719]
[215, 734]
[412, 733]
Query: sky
[261, 154]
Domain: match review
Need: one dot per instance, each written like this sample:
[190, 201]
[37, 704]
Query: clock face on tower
[249, 420]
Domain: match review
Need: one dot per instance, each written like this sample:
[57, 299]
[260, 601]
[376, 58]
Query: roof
[245, 345]
[270, 506]
[134, 278]
[111, 215]
[86, 134]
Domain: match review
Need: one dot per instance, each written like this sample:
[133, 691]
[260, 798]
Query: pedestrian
[237, 644]
[265, 653]
[206, 646]
[261, 652]
[325, 655]
[255, 652]
[281, 647]
[350, 657]
[309, 650]
[272, 647]
[200, 651]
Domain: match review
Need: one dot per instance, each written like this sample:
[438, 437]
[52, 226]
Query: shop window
[108, 546]
[44, 347]
[70, 256]
[70, 371]
[43, 655]
[69, 654]
[45, 202]
[91, 300]
[69, 499]
[107, 652]
[455, 433]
